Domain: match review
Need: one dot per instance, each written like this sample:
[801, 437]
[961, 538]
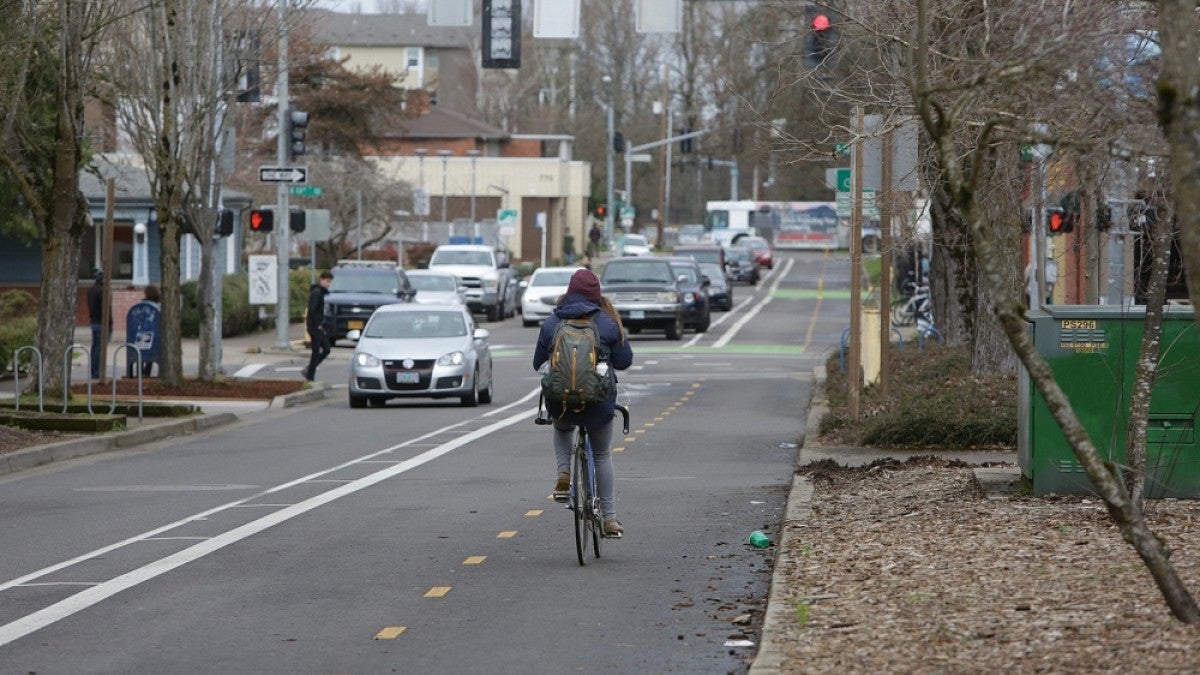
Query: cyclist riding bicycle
[583, 299]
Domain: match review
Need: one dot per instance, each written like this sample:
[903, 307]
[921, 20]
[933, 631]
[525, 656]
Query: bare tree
[45, 80]
[1180, 121]
[172, 76]
[957, 110]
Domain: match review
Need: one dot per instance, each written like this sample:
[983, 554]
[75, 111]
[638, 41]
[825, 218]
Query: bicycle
[906, 312]
[582, 500]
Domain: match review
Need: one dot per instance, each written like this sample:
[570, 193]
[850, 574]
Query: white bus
[798, 225]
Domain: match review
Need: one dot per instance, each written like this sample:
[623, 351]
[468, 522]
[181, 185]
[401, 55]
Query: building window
[412, 57]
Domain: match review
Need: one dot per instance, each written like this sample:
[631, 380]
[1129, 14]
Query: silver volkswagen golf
[421, 351]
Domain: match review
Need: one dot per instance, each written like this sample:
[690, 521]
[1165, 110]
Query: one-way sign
[283, 174]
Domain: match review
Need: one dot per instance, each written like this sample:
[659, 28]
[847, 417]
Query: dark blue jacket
[616, 351]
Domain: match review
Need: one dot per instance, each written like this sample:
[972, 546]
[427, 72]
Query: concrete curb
[316, 393]
[771, 656]
[81, 447]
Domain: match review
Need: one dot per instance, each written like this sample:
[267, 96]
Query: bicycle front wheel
[581, 498]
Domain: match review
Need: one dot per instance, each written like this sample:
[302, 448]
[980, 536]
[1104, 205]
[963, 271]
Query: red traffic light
[601, 211]
[262, 220]
[820, 22]
[1060, 222]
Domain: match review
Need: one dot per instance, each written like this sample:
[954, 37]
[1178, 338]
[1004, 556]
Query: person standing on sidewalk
[96, 317]
[316, 324]
[594, 237]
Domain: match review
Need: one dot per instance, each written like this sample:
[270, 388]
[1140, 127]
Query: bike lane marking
[753, 312]
[74, 604]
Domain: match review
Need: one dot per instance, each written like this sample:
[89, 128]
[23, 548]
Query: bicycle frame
[582, 500]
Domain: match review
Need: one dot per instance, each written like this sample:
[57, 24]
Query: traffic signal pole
[281, 233]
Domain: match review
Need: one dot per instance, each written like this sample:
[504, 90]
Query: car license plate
[637, 314]
[408, 378]
[354, 325]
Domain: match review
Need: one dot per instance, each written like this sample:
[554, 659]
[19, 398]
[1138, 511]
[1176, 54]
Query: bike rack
[128, 345]
[67, 354]
[923, 333]
[17, 377]
[842, 349]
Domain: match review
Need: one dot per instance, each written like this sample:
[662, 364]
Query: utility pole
[282, 216]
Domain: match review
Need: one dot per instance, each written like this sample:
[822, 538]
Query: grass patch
[934, 402]
[803, 610]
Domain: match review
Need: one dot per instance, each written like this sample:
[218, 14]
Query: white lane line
[96, 594]
[250, 370]
[727, 316]
[733, 330]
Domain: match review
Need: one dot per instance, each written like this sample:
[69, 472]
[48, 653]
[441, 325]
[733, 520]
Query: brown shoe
[612, 528]
[562, 486]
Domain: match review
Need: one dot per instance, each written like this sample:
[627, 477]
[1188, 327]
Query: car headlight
[490, 284]
[365, 360]
[452, 359]
[667, 296]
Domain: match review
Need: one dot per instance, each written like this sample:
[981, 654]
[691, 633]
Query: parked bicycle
[582, 499]
[918, 305]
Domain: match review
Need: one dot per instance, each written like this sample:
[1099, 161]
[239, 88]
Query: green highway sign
[307, 190]
[843, 180]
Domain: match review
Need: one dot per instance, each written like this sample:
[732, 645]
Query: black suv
[645, 292]
[358, 288]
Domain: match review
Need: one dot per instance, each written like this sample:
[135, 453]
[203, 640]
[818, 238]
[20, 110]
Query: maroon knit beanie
[585, 283]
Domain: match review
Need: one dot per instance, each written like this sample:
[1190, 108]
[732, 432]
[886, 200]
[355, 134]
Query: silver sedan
[421, 351]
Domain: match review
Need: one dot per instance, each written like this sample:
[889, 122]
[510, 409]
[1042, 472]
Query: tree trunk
[210, 364]
[172, 337]
[61, 246]
[1161, 235]
[1179, 116]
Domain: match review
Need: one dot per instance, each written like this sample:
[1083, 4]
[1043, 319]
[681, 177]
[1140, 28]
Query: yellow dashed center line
[659, 418]
[639, 431]
[507, 534]
[475, 560]
[648, 424]
[437, 592]
[620, 449]
[390, 633]
[630, 439]
[533, 512]
[695, 385]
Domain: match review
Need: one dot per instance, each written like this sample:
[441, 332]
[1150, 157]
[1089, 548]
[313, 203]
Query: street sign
[845, 204]
[307, 190]
[640, 157]
[283, 174]
[843, 180]
[507, 216]
[421, 202]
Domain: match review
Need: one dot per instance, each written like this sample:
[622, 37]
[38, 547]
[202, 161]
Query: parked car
[741, 265]
[482, 269]
[542, 290]
[436, 288]
[720, 290]
[694, 286]
[760, 248]
[427, 351]
[635, 244]
[645, 293]
[359, 288]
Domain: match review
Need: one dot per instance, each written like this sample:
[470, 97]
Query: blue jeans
[601, 436]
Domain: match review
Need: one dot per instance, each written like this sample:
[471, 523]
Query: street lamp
[421, 152]
[608, 195]
[444, 154]
[474, 154]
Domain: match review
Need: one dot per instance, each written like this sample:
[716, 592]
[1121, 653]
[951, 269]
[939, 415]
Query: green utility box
[1093, 351]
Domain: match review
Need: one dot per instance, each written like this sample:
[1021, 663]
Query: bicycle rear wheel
[581, 498]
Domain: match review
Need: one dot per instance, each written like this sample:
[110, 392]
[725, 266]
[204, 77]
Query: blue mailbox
[143, 329]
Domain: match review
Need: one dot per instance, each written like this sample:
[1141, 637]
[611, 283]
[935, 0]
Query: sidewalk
[237, 352]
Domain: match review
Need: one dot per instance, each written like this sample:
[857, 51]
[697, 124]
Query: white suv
[480, 269]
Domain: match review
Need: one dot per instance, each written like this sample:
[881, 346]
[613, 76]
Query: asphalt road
[420, 537]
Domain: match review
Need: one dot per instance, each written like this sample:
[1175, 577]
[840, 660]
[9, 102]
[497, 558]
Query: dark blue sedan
[693, 286]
